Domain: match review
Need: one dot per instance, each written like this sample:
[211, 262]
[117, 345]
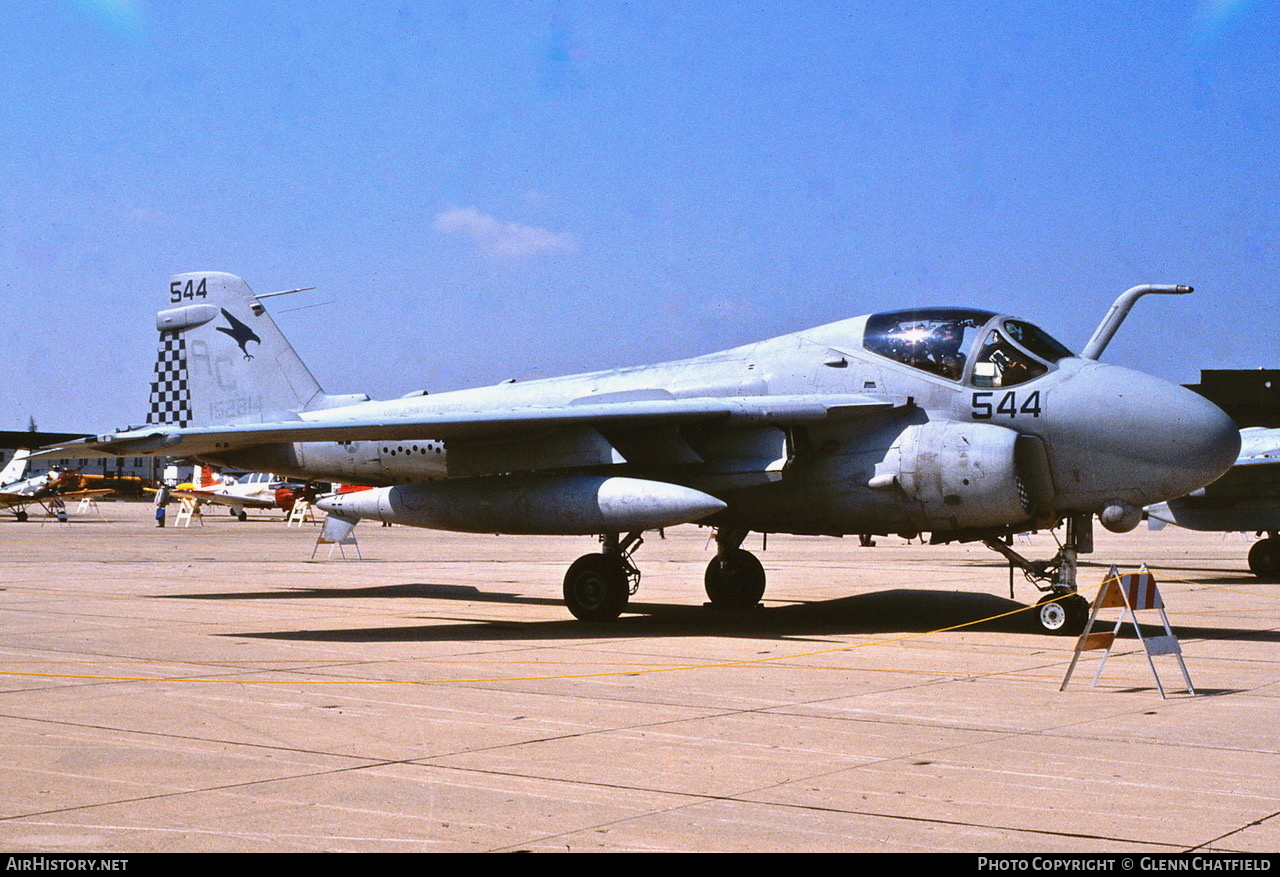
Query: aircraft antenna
[284, 292]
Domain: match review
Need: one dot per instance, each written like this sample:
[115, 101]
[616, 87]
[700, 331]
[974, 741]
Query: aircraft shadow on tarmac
[895, 611]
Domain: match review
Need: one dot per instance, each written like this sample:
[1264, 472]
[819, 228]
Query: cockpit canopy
[986, 349]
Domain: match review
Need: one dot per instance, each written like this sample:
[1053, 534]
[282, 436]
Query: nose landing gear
[1060, 610]
[1062, 613]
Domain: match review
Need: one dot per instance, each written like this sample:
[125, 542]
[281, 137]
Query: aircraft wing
[9, 500]
[81, 494]
[1259, 447]
[227, 499]
[422, 422]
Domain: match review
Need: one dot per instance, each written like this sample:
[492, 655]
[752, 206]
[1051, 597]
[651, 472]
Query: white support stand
[1131, 593]
[187, 510]
[301, 512]
[337, 532]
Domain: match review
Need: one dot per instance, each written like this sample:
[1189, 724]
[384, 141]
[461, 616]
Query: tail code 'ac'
[222, 360]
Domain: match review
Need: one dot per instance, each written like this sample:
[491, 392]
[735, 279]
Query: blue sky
[521, 189]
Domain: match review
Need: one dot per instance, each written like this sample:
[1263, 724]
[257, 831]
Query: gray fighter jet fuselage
[962, 423]
[909, 451]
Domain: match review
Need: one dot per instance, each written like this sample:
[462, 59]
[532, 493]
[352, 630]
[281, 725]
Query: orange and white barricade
[1131, 593]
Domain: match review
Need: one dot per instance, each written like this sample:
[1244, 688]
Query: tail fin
[202, 476]
[223, 360]
[16, 468]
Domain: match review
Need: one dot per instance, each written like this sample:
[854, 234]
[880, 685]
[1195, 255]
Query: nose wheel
[1062, 613]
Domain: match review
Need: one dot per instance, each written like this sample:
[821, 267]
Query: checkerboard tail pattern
[170, 394]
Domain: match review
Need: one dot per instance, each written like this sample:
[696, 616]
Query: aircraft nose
[1202, 441]
[1148, 440]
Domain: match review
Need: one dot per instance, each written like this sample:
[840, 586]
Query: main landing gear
[1060, 610]
[734, 577]
[598, 586]
[1264, 556]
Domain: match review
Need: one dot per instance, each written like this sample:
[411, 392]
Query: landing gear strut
[1264, 556]
[598, 586]
[1060, 610]
[734, 579]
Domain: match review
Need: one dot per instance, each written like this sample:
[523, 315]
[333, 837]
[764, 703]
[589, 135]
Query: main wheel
[735, 580]
[241, 515]
[21, 514]
[1264, 557]
[596, 587]
[1063, 614]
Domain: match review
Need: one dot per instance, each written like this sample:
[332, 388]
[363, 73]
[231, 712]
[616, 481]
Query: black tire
[1264, 557]
[1062, 614]
[21, 514]
[241, 515]
[596, 587]
[735, 580]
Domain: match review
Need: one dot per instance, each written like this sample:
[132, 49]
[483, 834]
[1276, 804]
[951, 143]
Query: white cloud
[502, 239]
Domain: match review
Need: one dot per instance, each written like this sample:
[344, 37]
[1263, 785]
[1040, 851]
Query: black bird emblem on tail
[240, 333]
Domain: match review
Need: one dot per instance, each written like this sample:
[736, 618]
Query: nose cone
[1200, 444]
[1138, 438]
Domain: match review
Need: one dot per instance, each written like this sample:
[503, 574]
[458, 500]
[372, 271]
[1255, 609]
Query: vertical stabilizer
[16, 468]
[222, 359]
[202, 477]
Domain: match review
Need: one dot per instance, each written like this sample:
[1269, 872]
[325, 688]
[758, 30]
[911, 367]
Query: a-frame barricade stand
[337, 531]
[86, 504]
[187, 510]
[1131, 593]
[300, 513]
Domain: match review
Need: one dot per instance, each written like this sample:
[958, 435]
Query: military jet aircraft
[963, 423]
[1247, 498]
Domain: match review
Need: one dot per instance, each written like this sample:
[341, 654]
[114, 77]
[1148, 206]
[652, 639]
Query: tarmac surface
[215, 689]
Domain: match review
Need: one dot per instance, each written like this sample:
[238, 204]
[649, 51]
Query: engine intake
[961, 475]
